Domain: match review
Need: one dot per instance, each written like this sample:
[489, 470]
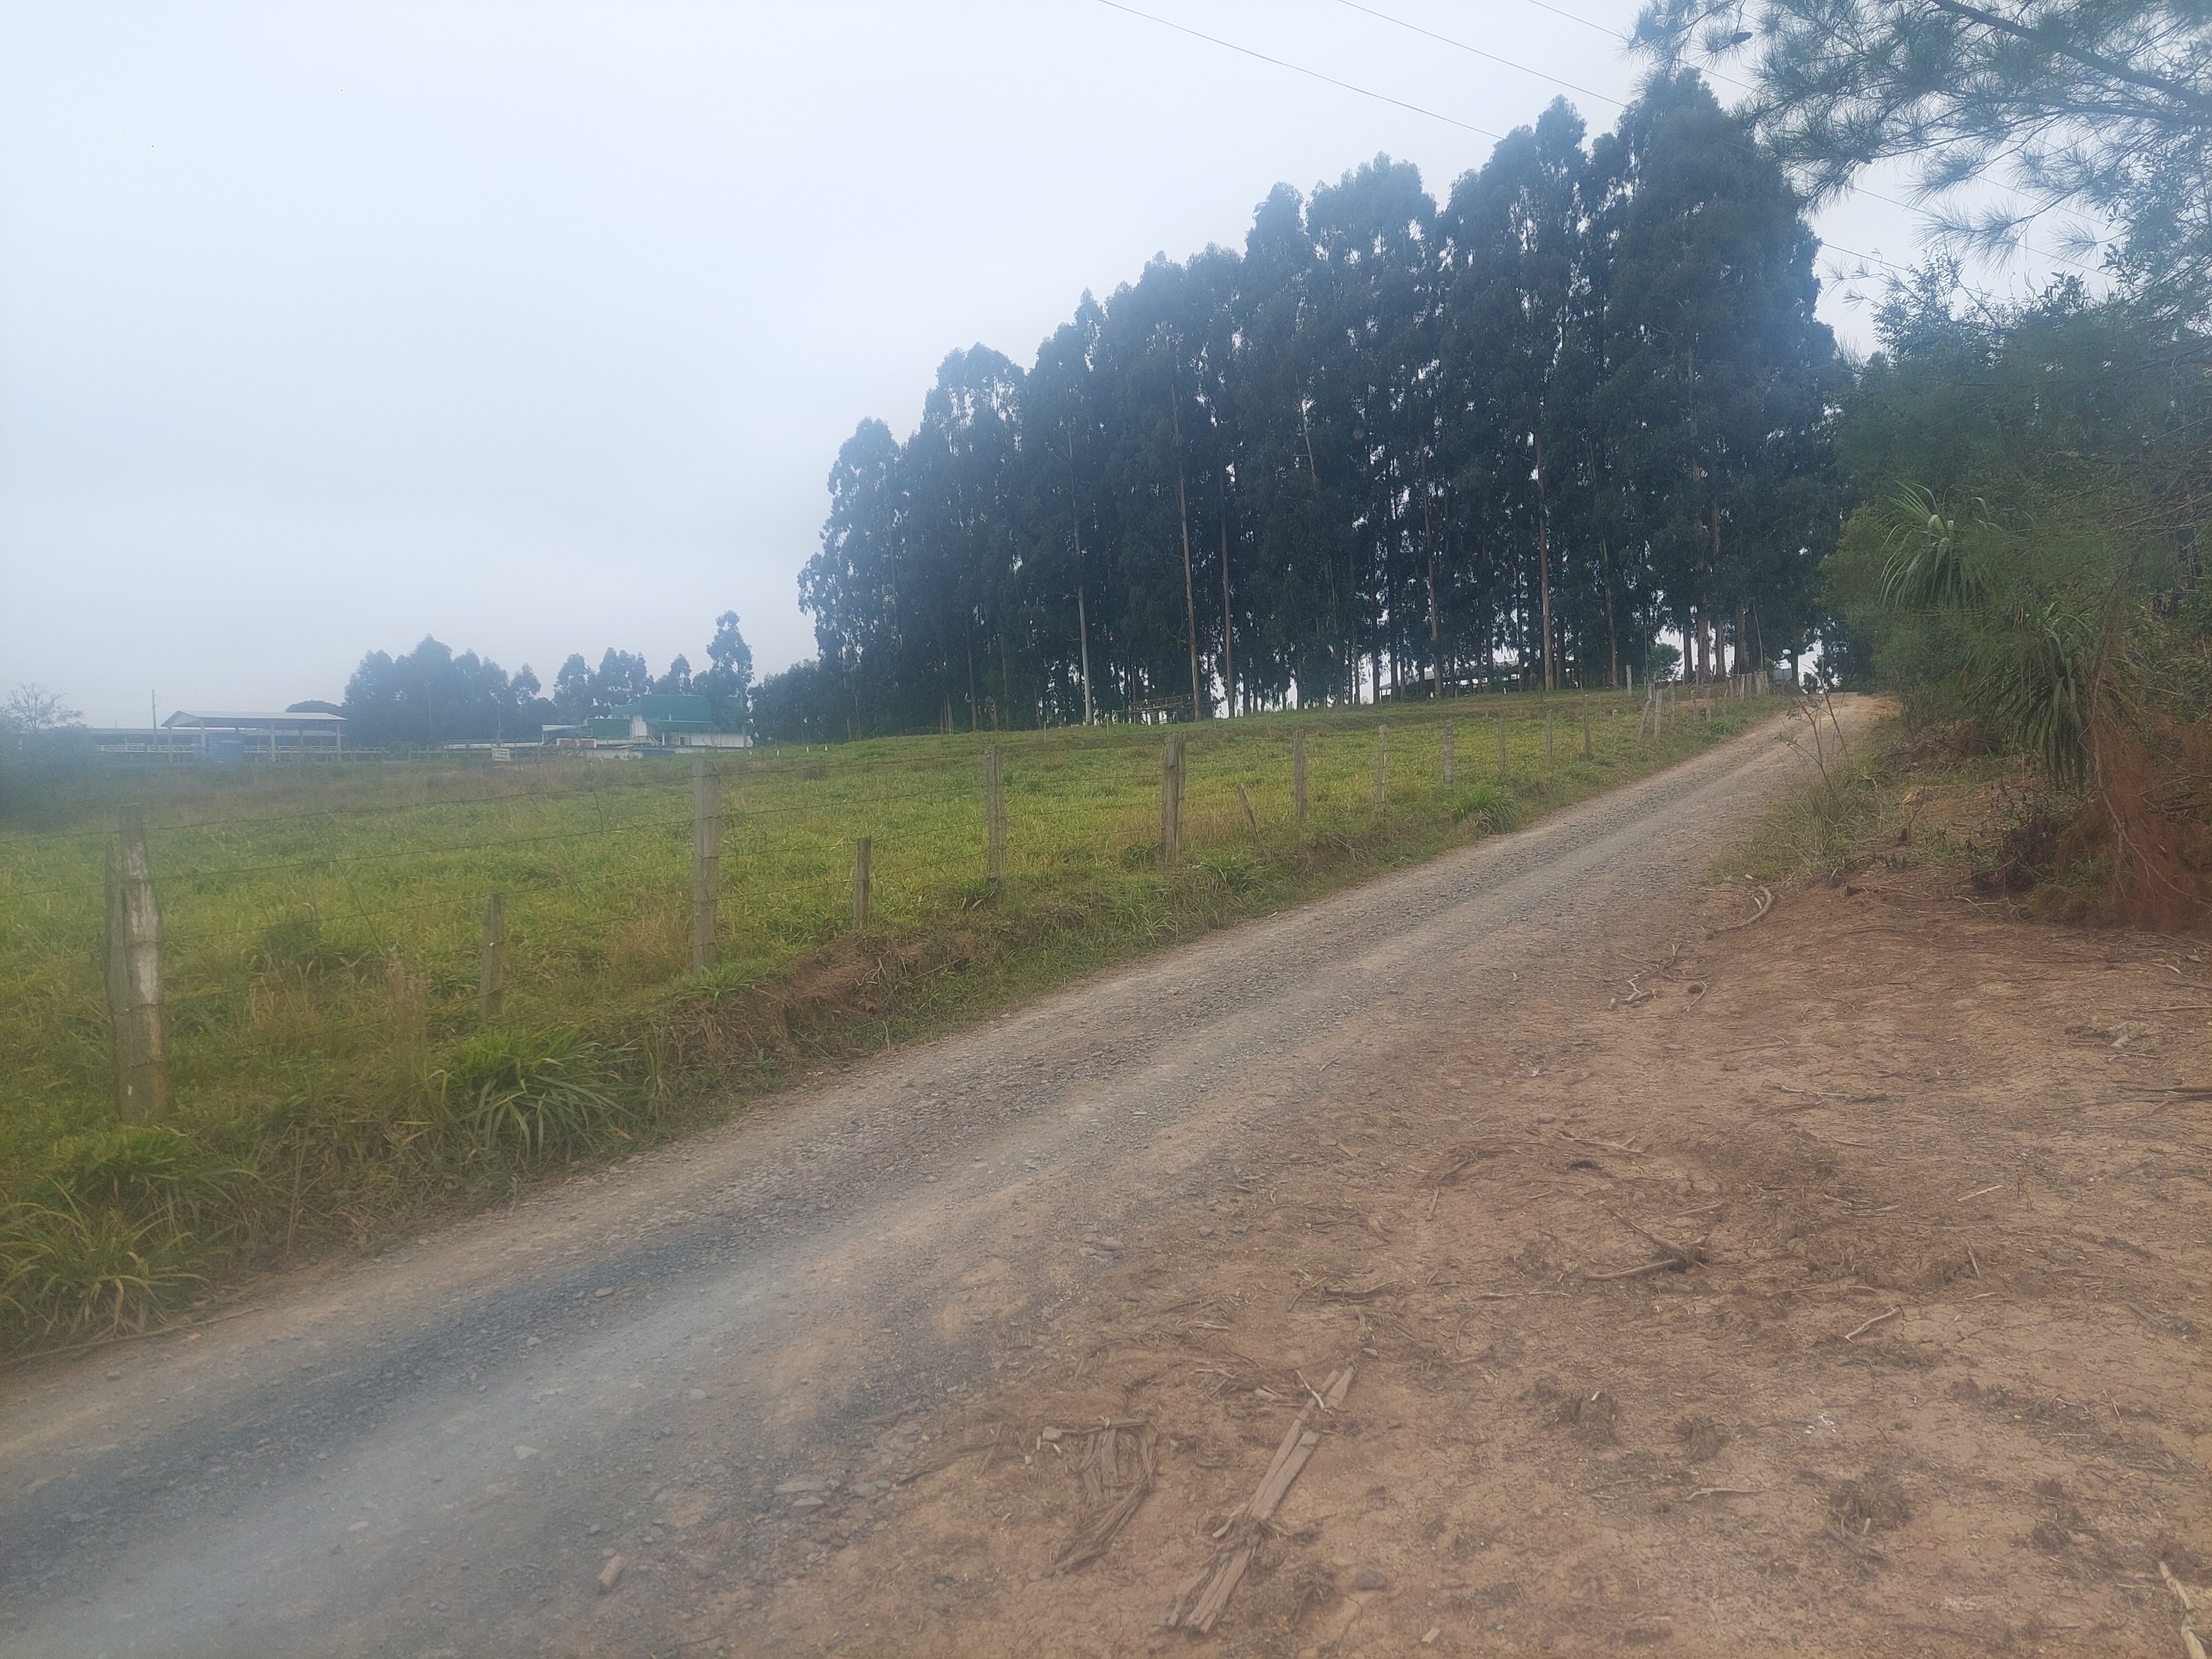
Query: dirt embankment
[1833, 1286]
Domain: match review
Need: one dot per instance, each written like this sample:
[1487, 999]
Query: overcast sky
[537, 326]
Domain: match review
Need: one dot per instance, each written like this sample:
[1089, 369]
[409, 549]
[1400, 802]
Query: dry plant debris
[1871, 1125]
[1204, 1599]
[1101, 1472]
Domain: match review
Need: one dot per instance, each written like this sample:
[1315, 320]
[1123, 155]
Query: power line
[1541, 75]
[1573, 17]
[1619, 39]
[1591, 92]
[1461, 46]
[1310, 74]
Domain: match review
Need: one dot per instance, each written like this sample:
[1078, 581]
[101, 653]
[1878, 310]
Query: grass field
[332, 1079]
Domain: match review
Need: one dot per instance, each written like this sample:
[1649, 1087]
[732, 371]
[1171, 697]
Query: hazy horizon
[537, 329]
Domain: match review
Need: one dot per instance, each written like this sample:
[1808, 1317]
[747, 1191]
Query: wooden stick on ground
[1861, 1330]
[1678, 1257]
[1204, 1598]
[1765, 902]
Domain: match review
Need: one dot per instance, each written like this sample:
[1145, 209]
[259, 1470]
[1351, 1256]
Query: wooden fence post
[1299, 775]
[1381, 763]
[491, 977]
[706, 866]
[1171, 800]
[1504, 773]
[863, 858]
[994, 811]
[1547, 740]
[134, 976]
[1447, 754]
[1586, 730]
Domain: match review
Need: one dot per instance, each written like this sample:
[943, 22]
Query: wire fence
[279, 930]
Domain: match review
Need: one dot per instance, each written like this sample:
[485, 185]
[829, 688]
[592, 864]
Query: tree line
[1391, 448]
[432, 695]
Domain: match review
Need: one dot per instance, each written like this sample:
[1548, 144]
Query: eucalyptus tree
[1369, 290]
[1718, 376]
[727, 682]
[1063, 567]
[430, 696]
[1301, 609]
[1378, 447]
[1154, 373]
[958, 476]
[854, 586]
[1517, 250]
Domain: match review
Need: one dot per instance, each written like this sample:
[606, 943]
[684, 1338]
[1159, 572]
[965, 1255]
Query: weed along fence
[245, 1017]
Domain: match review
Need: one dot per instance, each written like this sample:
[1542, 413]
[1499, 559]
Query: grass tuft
[554, 1093]
[68, 1273]
[1491, 806]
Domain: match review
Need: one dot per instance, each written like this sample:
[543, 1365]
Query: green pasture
[331, 1076]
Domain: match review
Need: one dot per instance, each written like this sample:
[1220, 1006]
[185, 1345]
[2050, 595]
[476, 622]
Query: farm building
[233, 736]
[658, 719]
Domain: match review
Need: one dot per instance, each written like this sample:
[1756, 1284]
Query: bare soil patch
[1842, 1296]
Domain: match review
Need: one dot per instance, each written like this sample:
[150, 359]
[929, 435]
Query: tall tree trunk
[1612, 639]
[1083, 633]
[1429, 548]
[1228, 628]
[1544, 569]
[1313, 473]
[1720, 665]
[1082, 621]
[1190, 598]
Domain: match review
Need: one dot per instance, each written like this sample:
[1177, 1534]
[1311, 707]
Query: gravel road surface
[445, 1448]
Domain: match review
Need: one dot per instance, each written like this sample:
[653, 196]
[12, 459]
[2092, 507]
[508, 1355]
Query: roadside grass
[333, 1081]
[1932, 799]
[1817, 831]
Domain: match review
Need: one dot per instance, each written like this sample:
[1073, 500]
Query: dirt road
[784, 1388]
